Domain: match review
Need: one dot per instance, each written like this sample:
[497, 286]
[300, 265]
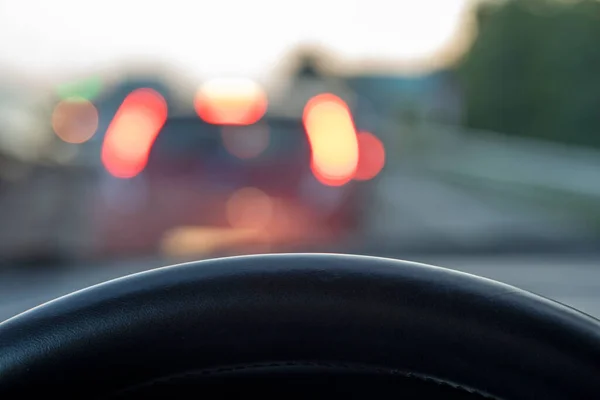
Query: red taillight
[332, 137]
[231, 102]
[132, 133]
[371, 156]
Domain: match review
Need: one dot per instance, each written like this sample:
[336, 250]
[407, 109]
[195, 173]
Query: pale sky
[218, 37]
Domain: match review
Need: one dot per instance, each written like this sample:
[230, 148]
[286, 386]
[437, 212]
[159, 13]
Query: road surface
[407, 209]
[573, 280]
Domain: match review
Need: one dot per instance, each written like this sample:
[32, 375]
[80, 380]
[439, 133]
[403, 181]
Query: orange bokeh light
[75, 120]
[332, 137]
[231, 102]
[371, 159]
[132, 133]
[249, 208]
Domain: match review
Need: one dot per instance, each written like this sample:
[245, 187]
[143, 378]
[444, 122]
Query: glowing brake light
[231, 102]
[132, 133]
[332, 137]
[371, 158]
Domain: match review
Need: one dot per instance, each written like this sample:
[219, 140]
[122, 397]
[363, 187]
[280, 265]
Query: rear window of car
[185, 136]
[191, 137]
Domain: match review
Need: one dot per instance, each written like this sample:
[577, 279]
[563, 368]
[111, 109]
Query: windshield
[463, 133]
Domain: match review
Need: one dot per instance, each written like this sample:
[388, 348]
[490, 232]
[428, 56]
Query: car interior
[307, 199]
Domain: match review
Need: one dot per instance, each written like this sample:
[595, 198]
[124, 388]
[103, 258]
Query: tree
[533, 70]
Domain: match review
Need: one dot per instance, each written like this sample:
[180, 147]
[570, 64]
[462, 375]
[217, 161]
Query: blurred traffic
[427, 130]
[224, 170]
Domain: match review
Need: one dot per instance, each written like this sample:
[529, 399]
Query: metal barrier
[44, 214]
[500, 158]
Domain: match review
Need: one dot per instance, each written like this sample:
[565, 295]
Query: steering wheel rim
[424, 321]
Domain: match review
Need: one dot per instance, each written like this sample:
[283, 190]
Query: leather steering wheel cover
[395, 315]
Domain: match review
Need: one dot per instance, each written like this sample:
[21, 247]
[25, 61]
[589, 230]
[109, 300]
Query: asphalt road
[408, 209]
[573, 280]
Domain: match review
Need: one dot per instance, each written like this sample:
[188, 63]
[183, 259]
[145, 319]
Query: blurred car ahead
[211, 188]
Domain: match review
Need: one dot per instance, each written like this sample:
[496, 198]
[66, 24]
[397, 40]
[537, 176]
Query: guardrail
[45, 215]
[502, 159]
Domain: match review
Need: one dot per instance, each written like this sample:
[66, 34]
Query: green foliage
[87, 89]
[534, 70]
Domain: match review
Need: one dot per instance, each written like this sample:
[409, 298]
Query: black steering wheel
[301, 324]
